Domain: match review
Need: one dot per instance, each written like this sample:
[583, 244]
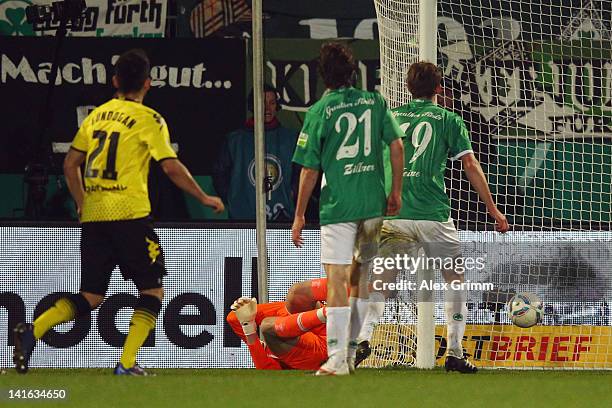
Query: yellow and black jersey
[119, 138]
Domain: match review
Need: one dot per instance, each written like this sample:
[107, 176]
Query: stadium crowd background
[216, 145]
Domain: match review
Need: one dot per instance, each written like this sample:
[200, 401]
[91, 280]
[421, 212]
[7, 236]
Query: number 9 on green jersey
[433, 135]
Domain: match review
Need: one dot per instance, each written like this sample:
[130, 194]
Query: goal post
[398, 23]
[407, 34]
[428, 31]
[260, 153]
[532, 81]
[425, 330]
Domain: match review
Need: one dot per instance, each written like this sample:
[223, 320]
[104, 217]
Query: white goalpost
[532, 80]
[260, 152]
[403, 41]
[425, 330]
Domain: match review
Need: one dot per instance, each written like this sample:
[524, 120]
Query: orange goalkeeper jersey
[309, 352]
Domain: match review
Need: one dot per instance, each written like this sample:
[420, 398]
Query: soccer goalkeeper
[294, 335]
[294, 331]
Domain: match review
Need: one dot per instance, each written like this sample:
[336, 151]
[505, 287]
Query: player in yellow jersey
[116, 143]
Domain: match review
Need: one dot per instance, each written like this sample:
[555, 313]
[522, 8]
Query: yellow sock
[141, 324]
[62, 311]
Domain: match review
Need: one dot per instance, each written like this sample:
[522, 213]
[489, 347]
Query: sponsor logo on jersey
[458, 317]
[153, 248]
[98, 188]
[329, 110]
[430, 115]
[302, 139]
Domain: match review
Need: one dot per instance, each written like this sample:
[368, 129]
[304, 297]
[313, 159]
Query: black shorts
[131, 244]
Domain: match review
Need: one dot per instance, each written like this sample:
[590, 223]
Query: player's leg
[394, 240]
[303, 296]
[376, 309]
[307, 352]
[307, 295]
[442, 241]
[366, 248]
[360, 309]
[338, 318]
[141, 259]
[262, 311]
[64, 310]
[288, 338]
[142, 323]
[337, 243]
[277, 344]
[97, 264]
[297, 324]
[245, 328]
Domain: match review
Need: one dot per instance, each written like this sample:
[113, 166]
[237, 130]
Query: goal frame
[425, 328]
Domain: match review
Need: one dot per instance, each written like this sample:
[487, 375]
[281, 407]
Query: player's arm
[461, 148]
[392, 135]
[394, 201]
[74, 179]
[308, 181]
[182, 178]
[308, 155]
[242, 322]
[477, 179]
[261, 359]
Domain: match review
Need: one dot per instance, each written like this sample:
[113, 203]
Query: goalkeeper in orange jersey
[293, 331]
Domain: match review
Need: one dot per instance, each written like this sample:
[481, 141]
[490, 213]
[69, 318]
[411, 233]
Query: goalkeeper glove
[246, 309]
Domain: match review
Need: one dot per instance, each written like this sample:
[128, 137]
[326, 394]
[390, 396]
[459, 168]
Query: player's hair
[337, 65]
[266, 88]
[132, 70]
[423, 79]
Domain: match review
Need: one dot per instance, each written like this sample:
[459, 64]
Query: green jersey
[343, 137]
[433, 134]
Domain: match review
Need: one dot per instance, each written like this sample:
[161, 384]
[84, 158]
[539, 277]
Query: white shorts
[437, 239]
[342, 242]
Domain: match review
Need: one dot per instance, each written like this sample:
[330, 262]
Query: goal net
[532, 79]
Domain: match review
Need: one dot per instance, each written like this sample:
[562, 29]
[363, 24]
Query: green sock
[141, 324]
[62, 311]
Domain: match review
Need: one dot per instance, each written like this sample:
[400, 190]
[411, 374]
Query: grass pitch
[275, 389]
